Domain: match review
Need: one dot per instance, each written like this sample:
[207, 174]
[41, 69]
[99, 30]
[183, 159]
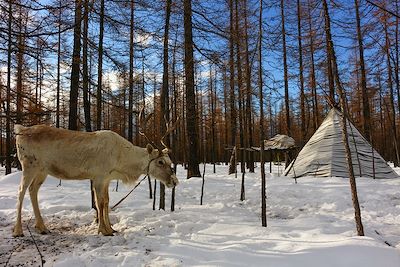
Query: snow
[310, 223]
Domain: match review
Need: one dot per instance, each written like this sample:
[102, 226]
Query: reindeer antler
[142, 124]
[170, 126]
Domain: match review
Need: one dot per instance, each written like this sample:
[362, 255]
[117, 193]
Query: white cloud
[111, 78]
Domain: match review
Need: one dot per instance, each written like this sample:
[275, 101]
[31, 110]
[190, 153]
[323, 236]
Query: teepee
[324, 154]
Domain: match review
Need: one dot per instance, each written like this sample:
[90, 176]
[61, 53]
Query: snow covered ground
[310, 223]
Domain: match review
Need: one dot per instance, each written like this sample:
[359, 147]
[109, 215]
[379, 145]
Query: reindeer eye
[160, 162]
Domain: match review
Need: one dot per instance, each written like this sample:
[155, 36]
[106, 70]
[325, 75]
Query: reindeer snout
[174, 180]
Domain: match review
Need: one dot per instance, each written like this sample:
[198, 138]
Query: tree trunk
[302, 97]
[137, 135]
[262, 135]
[204, 145]
[381, 104]
[74, 91]
[396, 67]
[328, 55]
[85, 83]
[175, 134]
[240, 86]
[20, 67]
[213, 137]
[165, 91]
[85, 72]
[130, 79]
[1, 126]
[364, 92]
[58, 67]
[232, 98]
[191, 115]
[396, 70]
[240, 97]
[155, 196]
[8, 94]
[249, 134]
[343, 106]
[226, 118]
[396, 159]
[202, 133]
[99, 98]
[285, 72]
[312, 71]
[39, 99]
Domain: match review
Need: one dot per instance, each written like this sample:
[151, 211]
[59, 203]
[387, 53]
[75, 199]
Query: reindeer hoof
[17, 232]
[105, 233]
[43, 232]
[41, 229]
[112, 230]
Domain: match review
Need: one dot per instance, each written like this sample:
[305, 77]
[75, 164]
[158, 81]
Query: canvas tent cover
[279, 141]
[324, 154]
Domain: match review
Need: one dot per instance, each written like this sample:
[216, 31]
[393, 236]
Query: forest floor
[310, 223]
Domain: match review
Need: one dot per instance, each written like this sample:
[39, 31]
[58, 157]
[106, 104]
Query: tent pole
[270, 161]
[355, 147]
[373, 159]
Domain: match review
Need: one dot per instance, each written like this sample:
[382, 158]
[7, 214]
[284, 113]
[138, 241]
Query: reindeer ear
[166, 151]
[149, 148]
[153, 152]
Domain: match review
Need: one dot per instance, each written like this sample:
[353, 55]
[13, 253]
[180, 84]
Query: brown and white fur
[101, 156]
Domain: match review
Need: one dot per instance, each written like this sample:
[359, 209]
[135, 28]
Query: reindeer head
[160, 166]
[159, 161]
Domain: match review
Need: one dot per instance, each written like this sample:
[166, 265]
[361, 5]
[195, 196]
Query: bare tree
[76, 58]
[329, 58]
[99, 98]
[164, 101]
[344, 115]
[191, 114]
[364, 92]
[285, 72]
[8, 96]
[301, 68]
[233, 125]
[131, 66]
[212, 99]
[261, 96]
[397, 61]
[312, 70]
[58, 66]
[20, 62]
[249, 130]
[390, 85]
[242, 148]
[85, 72]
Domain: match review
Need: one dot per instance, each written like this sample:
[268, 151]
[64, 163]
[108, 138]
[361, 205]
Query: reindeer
[100, 156]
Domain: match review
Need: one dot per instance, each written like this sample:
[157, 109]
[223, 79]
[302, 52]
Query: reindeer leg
[100, 201]
[26, 179]
[94, 206]
[33, 191]
[107, 210]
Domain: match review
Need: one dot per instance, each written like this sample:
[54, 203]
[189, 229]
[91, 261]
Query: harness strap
[147, 175]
